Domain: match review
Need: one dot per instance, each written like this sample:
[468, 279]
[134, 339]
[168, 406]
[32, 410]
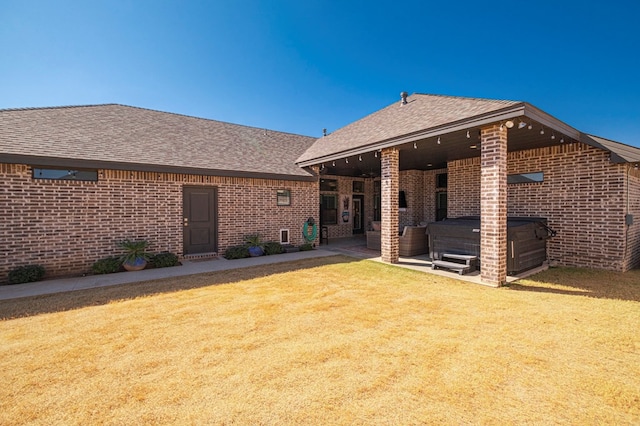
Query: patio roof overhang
[458, 140]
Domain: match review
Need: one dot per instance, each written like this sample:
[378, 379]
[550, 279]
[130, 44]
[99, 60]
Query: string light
[415, 145]
[438, 140]
[346, 160]
[333, 164]
[468, 135]
[359, 157]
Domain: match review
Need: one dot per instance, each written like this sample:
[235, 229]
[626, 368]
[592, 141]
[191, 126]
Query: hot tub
[526, 240]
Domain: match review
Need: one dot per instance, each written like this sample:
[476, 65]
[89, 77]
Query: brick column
[389, 162]
[493, 205]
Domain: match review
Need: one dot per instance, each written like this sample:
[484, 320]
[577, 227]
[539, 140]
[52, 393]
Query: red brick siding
[389, 163]
[67, 225]
[582, 197]
[412, 183]
[345, 189]
[632, 259]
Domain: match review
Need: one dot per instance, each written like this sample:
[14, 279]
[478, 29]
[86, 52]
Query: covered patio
[430, 132]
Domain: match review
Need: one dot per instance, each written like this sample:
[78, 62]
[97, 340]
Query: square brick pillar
[493, 205]
[390, 172]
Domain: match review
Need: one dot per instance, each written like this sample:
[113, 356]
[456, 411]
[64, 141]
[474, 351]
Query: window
[283, 197]
[525, 178]
[328, 209]
[65, 174]
[441, 180]
[358, 186]
[328, 185]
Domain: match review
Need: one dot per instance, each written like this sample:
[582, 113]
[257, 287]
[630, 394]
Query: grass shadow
[70, 300]
[583, 282]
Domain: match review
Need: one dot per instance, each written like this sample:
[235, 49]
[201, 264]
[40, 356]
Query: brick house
[428, 157]
[74, 180]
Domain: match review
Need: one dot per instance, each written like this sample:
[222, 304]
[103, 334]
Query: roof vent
[404, 95]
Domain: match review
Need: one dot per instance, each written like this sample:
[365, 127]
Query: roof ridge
[55, 107]
[211, 119]
[152, 110]
[466, 97]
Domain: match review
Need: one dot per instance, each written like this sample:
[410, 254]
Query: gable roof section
[620, 153]
[131, 138]
[396, 120]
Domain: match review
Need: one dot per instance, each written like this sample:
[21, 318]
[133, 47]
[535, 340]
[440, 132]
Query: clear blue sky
[301, 65]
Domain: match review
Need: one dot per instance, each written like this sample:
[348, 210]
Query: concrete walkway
[188, 268]
[354, 247]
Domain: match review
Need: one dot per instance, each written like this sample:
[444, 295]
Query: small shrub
[273, 247]
[306, 247]
[164, 260]
[108, 265]
[26, 274]
[236, 252]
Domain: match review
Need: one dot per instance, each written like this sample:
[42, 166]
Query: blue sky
[300, 66]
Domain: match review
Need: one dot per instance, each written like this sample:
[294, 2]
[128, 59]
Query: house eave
[522, 109]
[33, 160]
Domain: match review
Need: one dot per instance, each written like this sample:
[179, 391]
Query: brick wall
[582, 196]
[68, 225]
[632, 184]
[345, 189]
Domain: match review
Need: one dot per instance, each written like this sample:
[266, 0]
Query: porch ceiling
[426, 154]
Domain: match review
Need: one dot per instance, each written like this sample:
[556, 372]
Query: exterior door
[358, 214]
[200, 219]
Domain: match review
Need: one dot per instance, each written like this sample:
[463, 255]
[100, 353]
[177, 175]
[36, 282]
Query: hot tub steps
[454, 262]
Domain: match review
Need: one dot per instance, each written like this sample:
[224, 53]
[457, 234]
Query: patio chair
[413, 241]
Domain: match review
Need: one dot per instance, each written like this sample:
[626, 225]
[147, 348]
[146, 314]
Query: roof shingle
[421, 112]
[130, 135]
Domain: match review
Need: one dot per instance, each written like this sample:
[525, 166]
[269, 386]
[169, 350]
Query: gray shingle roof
[421, 112]
[620, 153]
[147, 139]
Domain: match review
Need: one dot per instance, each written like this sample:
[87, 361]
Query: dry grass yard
[326, 341]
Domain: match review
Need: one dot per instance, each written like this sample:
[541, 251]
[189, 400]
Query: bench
[448, 261]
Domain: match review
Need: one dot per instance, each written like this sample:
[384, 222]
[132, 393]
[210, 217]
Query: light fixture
[346, 160]
[509, 124]
[501, 126]
[474, 146]
[438, 140]
[468, 135]
[562, 139]
[322, 167]
[359, 157]
[522, 125]
[376, 154]
[415, 145]
[530, 126]
[553, 136]
[333, 164]
[542, 130]
[430, 165]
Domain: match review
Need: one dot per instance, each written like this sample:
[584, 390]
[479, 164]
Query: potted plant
[135, 256]
[254, 244]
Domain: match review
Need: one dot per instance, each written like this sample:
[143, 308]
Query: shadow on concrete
[70, 300]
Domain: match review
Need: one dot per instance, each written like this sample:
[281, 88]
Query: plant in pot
[135, 256]
[255, 245]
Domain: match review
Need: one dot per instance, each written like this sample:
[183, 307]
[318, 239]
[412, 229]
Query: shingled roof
[125, 137]
[428, 116]
[421, 112]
